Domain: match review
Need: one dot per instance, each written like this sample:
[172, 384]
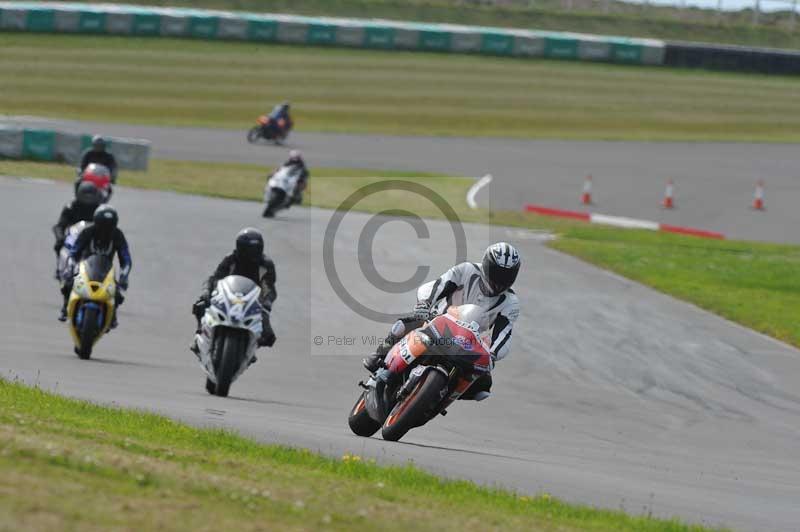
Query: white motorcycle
[229, 331]
[280, 189]
[70, 237]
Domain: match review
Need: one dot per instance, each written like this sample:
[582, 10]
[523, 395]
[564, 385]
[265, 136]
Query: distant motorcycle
[70, 237]
[280, 189]
[269, 129]
[229, 331]
[431, 366]
[90, 307]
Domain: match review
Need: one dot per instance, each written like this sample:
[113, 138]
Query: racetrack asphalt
[614, 395]
[714, 182]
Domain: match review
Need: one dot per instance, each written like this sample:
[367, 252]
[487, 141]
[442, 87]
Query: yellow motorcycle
[91, 304]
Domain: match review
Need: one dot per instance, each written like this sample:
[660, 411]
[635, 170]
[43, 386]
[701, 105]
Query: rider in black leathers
[82, 208]
[102, 237]
[247, 260]
[97, 154]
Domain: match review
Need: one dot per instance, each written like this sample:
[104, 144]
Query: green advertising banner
[203, 24]
[39, 145]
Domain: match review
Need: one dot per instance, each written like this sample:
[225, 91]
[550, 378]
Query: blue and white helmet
[500, 267]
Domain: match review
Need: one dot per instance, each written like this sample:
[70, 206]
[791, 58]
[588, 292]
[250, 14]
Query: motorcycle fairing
[95, 283]
[234, 304]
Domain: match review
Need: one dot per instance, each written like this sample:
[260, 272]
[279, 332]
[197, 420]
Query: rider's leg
[66, 290]
[118, 299]
[399, 329]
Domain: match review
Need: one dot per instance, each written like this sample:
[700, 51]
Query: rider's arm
[445, 285]
[268, 281]
[84, 237]
[59, 230]
[112, 166]
[503, 324]
[123, 254]
[85, 159]
[224, 269]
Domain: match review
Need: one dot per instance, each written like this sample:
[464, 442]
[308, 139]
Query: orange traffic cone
[758, 197]
[669, 196]
[586, 197]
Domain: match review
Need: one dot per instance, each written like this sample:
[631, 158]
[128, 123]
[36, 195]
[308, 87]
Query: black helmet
[105, 221]
[98, 143]
[500, 267]
[286, 105]
[296, 157]
[249, 244]
[88, 194]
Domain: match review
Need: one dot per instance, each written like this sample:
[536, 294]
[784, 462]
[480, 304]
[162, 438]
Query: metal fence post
[756, 11]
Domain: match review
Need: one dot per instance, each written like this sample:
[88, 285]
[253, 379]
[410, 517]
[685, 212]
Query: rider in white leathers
[487, 285]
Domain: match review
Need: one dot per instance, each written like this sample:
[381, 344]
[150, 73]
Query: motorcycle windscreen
[455, 342]
[287, 176]
[97, 267]
[238, 284]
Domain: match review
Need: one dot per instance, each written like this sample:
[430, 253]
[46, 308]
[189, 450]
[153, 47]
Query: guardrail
[737, 58]
[360, 33]
[59, 146]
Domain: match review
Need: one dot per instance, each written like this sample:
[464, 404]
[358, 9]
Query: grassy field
[193, 83]
[70, 465]
[587, 16]
[754, 284]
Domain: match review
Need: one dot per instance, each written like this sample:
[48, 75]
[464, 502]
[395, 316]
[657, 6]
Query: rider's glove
[422, 311]
[199, 307]
[267, 337]
[123, 283]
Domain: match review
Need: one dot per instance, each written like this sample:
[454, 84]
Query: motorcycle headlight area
[81, 287]
[252, 314]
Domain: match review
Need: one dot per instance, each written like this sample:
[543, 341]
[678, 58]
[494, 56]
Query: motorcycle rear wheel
[360, 422]
[414, 409]
[87, 334]
[230, 350]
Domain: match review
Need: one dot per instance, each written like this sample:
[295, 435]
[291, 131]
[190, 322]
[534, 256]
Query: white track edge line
[473, 190]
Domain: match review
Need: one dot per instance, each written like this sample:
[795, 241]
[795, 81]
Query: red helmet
[97, 174]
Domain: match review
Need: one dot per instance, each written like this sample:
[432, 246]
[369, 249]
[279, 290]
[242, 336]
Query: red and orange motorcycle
[269, 129]
[425, 372]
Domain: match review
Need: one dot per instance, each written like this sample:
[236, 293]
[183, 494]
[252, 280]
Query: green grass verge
[71, 465]
[754, 284]
[227, 84]
[665, 22]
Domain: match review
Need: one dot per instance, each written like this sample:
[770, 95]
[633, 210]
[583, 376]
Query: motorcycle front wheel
[414, 409]
[276, 198]
[88, 333]
[231, 346]
[254, 134]
[360, 422]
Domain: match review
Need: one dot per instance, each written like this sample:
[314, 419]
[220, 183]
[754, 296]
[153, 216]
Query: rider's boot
[114, 322]
[375, 361]
[193, 347]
